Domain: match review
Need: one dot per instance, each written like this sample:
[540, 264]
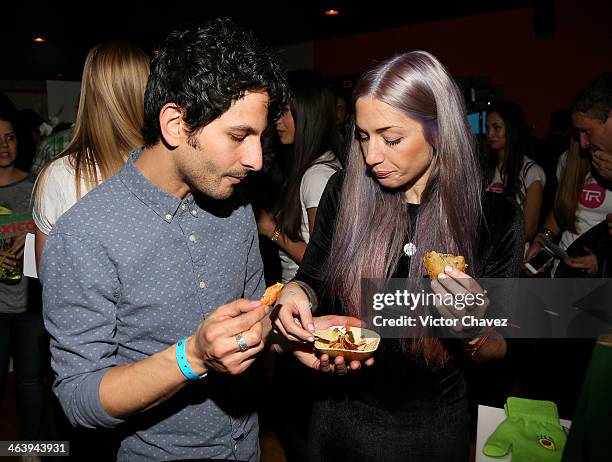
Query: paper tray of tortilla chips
[353, 343]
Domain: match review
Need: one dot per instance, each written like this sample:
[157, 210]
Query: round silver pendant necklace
[410, 249]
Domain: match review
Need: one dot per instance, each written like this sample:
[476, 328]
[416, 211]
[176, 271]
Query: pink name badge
[592, 196]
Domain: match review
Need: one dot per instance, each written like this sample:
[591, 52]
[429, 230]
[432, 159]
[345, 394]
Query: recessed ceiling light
[39, 39]
[332, 12]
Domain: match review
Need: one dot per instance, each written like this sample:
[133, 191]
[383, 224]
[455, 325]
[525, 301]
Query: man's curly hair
[204, 69]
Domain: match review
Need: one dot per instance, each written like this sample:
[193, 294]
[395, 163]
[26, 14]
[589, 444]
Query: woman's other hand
[459, 285]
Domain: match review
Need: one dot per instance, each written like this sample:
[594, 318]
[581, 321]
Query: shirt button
[194, 213]
[168, 217]
[192, 237]
[235, 446]
[202, 285]
[183, 207]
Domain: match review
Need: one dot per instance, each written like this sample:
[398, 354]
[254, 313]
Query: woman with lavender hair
[412, 185]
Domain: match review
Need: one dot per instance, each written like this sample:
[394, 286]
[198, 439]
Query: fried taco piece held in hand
[436, 262]
[271, 294]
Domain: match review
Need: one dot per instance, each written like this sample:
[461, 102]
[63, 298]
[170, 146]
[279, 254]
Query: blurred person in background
[507, 166]
[583, 201]
[581, 224]
[308, 130]
[22, 334]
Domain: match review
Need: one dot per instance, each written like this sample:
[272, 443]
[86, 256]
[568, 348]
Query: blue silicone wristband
[181, 359]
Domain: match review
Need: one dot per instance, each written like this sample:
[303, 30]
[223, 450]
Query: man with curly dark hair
[147, 279]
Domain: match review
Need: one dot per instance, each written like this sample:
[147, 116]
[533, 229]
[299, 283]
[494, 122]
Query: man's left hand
[603, 164]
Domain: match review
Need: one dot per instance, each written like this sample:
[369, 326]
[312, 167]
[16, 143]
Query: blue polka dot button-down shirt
[127, 272]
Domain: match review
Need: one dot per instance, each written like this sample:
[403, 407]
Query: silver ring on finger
[242, 344]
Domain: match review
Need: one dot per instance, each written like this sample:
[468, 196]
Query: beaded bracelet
[181, 359]
[473, 348]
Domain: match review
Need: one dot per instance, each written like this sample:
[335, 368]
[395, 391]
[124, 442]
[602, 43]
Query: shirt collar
[163, 204]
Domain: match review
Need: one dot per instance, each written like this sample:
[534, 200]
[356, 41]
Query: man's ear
[171, 124]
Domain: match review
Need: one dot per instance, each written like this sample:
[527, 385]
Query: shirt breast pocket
[226, 263]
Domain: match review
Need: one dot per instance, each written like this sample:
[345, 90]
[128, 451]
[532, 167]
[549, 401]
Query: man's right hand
[214, 344]
[134, 387]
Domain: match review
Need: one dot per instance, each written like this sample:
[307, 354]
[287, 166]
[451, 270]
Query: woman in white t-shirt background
[308, 130]
[507, 166]
[309, 136]
[108, 123]
[583, 201]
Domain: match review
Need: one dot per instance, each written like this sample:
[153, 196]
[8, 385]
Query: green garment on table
[531, 431]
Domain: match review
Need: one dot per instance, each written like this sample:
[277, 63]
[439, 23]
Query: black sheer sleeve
[319, 246]
[502, 239]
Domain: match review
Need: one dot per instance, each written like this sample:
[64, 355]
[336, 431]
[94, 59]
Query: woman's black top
[399, 381]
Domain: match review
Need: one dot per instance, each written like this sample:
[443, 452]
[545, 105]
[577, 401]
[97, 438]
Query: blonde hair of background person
[570, 186]
[109, 119]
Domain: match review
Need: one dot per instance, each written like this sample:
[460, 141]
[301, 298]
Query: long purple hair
[373, 221]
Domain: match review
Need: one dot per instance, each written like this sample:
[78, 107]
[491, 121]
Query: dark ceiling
[71, 30]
